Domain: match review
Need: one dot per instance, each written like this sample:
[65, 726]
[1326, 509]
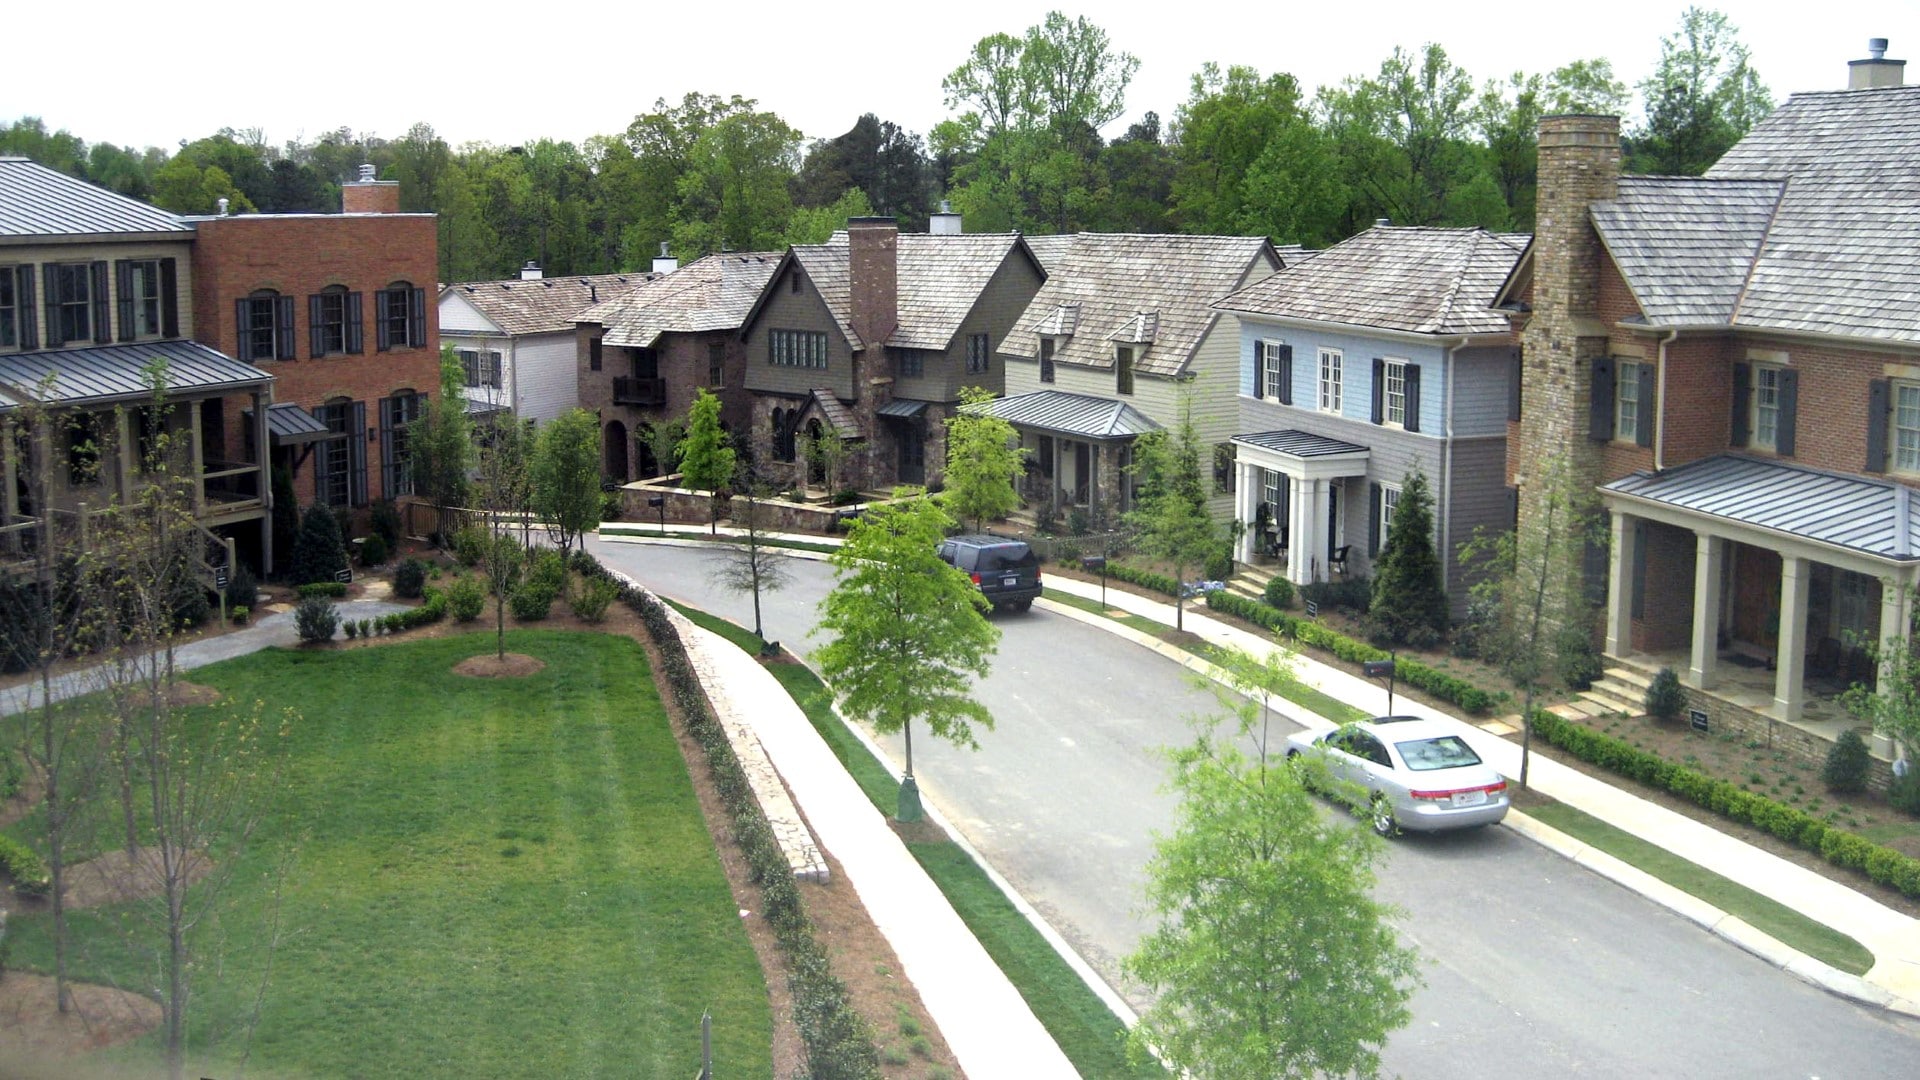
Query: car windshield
[1445, 752]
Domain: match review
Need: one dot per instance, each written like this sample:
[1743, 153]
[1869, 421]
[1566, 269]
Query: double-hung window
[909, 363]
[1393, 392]
[70, 302]
[1123, 370]
[1906, 427]
[139, 283]
[716, 364]
[265, 321]
[397, 413]
[1389, 500]
[978, 348]
[334, 322]
[482, 368]
[1766, 407]
[1273, 364]
[15, 308]
[1626, 401]
[1330, 380]
[400, 316]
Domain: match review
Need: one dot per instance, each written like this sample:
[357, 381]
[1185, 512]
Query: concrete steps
[1250, 581]
[1621, 690]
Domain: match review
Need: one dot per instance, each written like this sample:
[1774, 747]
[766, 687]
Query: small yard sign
[1698, 718]
[344, 575]
[1313, 610]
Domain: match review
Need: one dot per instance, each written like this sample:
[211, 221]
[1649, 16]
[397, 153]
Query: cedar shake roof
[39, 203]
[1050, 249]
[1811, 223]
[1148, 288]
[542, 305]
[1414, 279]
[940, 279]
[714, 292]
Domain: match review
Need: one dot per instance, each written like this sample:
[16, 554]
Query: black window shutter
[1789, 411]
[357, 455]
[1286, 374]
[123, 291]
[1643, 424]
[245, 346]
[1513, 507]
[1259, 369]
[102, 307]
[382, 338]
[1373, 519]
[1379, 388]
[1600, 406]
[50, 275]
[1413, 397]
[417, 322]
[1879, 406]
[493, 370]
[1742, 403]
[1513, 385]
[1638, 594]
[169, 301]
[283, 346]
[316, 334]
[29, 314]
[356, 325]
[386, 447]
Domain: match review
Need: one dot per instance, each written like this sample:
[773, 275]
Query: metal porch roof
[902, 408]
[1299, 444]
[290, 425]
[1878, 517]
[1079, 415]
[114, 373]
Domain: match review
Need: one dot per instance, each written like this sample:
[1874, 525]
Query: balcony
[638, 391]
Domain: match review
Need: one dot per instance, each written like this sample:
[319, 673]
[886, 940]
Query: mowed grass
[496, 877]
[1088, 1032]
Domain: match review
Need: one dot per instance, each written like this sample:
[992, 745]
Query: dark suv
[1006, 570]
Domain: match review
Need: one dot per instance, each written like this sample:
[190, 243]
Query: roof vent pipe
[1381, 223]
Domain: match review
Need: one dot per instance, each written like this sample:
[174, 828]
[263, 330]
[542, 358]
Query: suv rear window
[993, 560]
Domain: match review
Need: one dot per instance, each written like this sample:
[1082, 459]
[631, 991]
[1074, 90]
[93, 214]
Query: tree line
[1418, 141]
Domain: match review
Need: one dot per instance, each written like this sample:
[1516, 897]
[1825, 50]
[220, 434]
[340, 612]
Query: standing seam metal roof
[1878, 517]
[36, 201]
[1300, 444]
[1071, 414]
[107, 373]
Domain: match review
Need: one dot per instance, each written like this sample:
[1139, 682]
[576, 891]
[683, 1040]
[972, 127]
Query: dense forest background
[1419, 142]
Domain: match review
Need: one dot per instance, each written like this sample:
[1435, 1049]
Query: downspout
[1660, 413]
[1446, 477]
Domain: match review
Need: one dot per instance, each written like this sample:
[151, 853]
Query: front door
[1756, 596]
[913, 452]
[1333, 521]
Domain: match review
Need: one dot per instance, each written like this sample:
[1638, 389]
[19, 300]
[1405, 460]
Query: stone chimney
[946, 222]
[873, 278]
[531, 271]
[664, 263]
[369, 196]
[1876, 71]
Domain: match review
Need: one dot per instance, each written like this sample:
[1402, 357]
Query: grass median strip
[1816, 939]
[1088, 1032]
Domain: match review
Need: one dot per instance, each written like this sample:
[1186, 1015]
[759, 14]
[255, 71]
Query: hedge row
[837, 1039]
[1838, 846]
[1146, 579]
[331, 589]
[24, 866]
[1412, 672]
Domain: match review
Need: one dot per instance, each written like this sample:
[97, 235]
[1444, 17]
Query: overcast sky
[137, 74]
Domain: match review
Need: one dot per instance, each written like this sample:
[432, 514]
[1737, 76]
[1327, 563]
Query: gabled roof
[839, 417]
[1686, 246]
[1080, 415]
[542, 305]
[1120, 286]
[38, 202]
[714, 292]
[939, 280]
[1412, 279]
[106, 374]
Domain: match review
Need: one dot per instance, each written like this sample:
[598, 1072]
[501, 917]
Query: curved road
[1533, 966]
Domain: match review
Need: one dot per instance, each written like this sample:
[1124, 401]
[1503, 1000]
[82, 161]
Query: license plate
[1469, 798]
[1010, 582]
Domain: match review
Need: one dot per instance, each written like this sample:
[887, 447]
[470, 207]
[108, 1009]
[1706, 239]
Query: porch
[1292, 492]
[1079, 449]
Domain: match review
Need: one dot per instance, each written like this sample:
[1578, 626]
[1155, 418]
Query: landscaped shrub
[1665, 698]
[410, 579]
[243, 590]
[1279, 593]
[373, 550]
[611, 506]
[549, 568]
[467, 598]
[1580, 666]
[591, 599]
[1146, 579]
[318, 553]
[1407, 599]
[532, 601]
[1219, 565]
[470, 545]
[22, 864]
[1904, 793]
[351, 629]
[315, 619]
[1845, 771]
[1352, 594]
[386, 523]
[240, 614]
[333, 589]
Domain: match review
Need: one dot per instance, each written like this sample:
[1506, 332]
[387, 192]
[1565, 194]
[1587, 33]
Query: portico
[1288, 493]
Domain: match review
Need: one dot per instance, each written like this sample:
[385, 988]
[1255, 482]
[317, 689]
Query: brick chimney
[873, 278]
[1876, 71]
[369, 196]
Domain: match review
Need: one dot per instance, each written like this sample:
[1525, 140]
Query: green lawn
[495, 877]
[1792, 928]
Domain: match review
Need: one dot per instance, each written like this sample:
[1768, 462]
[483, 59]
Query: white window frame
[1393, 392]
[1626, 401]
[1904, 438]
[1270, 365]
[1270, 489]
[1389, 502]
[1331, 361]
[1764, 433]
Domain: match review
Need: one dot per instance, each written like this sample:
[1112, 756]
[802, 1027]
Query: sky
[509, 74]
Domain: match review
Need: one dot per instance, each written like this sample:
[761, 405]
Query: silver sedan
[1406, 773]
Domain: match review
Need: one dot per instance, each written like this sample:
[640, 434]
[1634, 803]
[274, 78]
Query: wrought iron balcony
[638, 391]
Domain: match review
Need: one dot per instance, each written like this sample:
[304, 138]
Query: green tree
[1508, 116]
[1701, 98]
[1403, 138]
[661, 439]
[1586, 86]
[751, 566]
[1891, 704]
[885, 163]
[1169, 518]
[706, 455]
[1272, 958]
[505, 495]
[1250, 160]
[1409, 605]
[734, 192]
[983, 461]
[566, 476]
[318, 553]
[440, 443]
[909, 634]
[814, 225]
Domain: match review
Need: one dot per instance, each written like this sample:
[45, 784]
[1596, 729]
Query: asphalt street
[1533, 967]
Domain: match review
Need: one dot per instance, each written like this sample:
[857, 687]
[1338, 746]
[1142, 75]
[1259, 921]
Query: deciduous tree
[983, 461]
[440, 443]
[751, 566]
[706, 456]
[1701, 98]
[1169, 519]
[566, 476]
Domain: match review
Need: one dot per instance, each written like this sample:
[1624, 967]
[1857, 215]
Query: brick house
[869, 338]
[1379, 356]
[1734, 361]
[515, 338]
[1119, 340]
[640, 358]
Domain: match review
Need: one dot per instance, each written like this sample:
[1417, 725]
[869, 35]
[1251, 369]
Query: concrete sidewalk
[1893, 938]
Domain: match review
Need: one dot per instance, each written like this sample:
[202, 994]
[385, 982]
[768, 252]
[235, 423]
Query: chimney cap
[1877, 48]
[367, 173]
[1381, 222]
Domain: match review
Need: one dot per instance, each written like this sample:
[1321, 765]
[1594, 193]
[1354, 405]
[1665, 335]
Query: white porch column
[1316, 533]
[1245, 506]
[1708, 562]
[1620, 587]
[1299, 530]
[1896, 615]
[1790, 661]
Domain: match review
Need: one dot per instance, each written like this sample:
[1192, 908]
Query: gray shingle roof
[1839, 250]
[36, 201]
[1080, 415]
[1393, 277]
[113, 373]
[841, 418]
[1123, 284]
[940, 278]
[1050, 249]
[714, 292]
[1879, 517]
[542, 305]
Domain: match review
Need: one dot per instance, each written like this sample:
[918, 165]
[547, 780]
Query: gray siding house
[1380, 356]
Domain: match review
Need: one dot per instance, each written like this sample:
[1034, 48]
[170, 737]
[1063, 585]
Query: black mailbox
[1094, 564]
[1376, 669]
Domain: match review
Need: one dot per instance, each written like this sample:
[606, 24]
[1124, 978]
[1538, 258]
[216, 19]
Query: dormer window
[1123, 370]
[1046, 359]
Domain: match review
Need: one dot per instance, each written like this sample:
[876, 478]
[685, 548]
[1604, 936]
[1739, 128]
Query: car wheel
[1022, 605]
[1380, 815]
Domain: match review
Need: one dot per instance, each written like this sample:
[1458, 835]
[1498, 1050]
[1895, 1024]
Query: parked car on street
[1407, 773]
[1006, 570]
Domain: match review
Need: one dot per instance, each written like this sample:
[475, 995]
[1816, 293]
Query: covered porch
[1761, 582]
[1290, 491]
[1080, 448]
